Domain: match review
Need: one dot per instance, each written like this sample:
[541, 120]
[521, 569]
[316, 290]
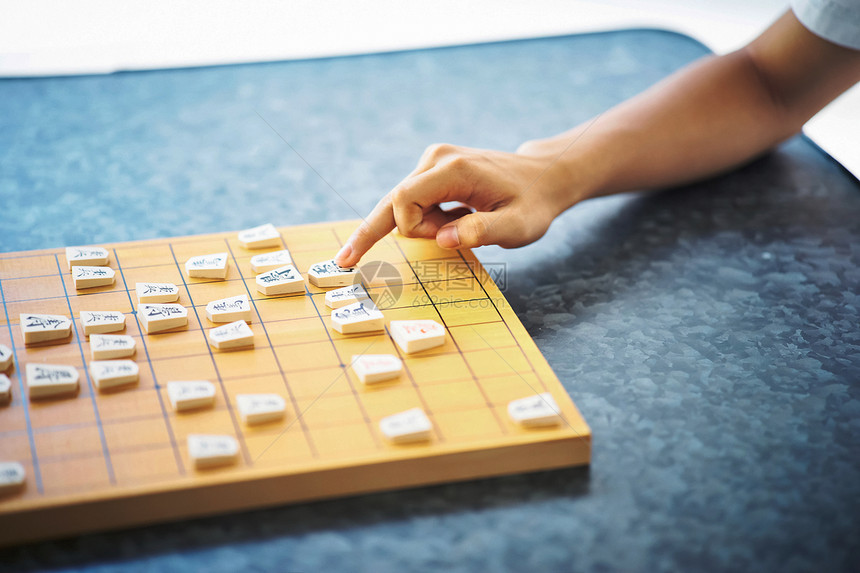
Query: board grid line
[240, 436]
[150, 418]
[293, 401]
[436, 429]
[24, 403]
[92, 388]
[343, 365]
[543, 384]
[180, 465]
[475, 276]
[502, 427]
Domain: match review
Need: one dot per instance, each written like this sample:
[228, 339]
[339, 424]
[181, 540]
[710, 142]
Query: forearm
[697, 123]
[712, 116]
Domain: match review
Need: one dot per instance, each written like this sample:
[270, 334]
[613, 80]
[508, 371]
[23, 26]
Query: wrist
[568, 175]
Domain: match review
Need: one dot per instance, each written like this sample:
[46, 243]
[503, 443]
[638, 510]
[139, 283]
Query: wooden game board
[110, 459]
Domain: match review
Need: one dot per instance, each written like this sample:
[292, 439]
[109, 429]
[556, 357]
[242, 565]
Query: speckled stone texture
[710, 335]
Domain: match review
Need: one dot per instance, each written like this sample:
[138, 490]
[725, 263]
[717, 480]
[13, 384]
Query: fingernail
[344, 252]
[447, 237]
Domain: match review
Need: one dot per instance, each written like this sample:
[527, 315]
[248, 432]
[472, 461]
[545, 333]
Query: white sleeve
[837, 21]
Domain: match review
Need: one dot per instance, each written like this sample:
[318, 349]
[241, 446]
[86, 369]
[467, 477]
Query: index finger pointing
[379, 223]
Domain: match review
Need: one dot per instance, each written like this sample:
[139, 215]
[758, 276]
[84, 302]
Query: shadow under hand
[638, 246]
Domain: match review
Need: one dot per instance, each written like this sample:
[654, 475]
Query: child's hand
[510, 200]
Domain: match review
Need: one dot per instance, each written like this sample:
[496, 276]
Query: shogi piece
[261, 237]
[283, 280]
[5, 389]
[86, 256]
[260, 408]
[160, 317]
[90, 277]
[229, 309]
[191, 395]
[111, 373]
[5, 358]
[234, 335]
[207, 266]
[534, 411]
[12, 477]
[265, 262]
[372, 368]
[43, 327]
[343, 296]
[101, 321]
[110, 346]
[417, 335]
[209, 451]
[409, 426]
[156, 292]
[327, 274]
[357, 317]
[51, 380]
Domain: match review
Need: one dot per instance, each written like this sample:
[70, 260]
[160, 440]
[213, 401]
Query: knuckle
[478, 228]
[459, 164]
[399, 194]
[438, 150]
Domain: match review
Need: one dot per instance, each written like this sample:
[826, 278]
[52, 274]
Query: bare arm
[709, 117]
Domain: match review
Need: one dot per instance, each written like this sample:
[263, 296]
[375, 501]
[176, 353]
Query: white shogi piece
[191, 395]
[209, 451]
[212, 266]
[111, 373]
[109, 346]
[534, 411]
[87, 256]
[156, 292]
[160, 317]
[327, 274]
[362, 316]
[50, 380]
[5, 389]
[101, 321]
[409, 426]
[5, 358]
[261, 237]
[234, 335]
[270, 261]
[91, 277]
[260, 408]
[229, 309]
[12, 477]
[43, 327]
[372, 368]
[417, 335]
[283, 280]
[343, 296]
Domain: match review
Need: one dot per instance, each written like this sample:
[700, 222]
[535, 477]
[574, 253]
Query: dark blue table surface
[710, 335]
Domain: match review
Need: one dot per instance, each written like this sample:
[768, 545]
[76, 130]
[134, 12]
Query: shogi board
[112, 459]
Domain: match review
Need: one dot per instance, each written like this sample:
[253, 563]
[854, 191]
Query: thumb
[472, 230]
